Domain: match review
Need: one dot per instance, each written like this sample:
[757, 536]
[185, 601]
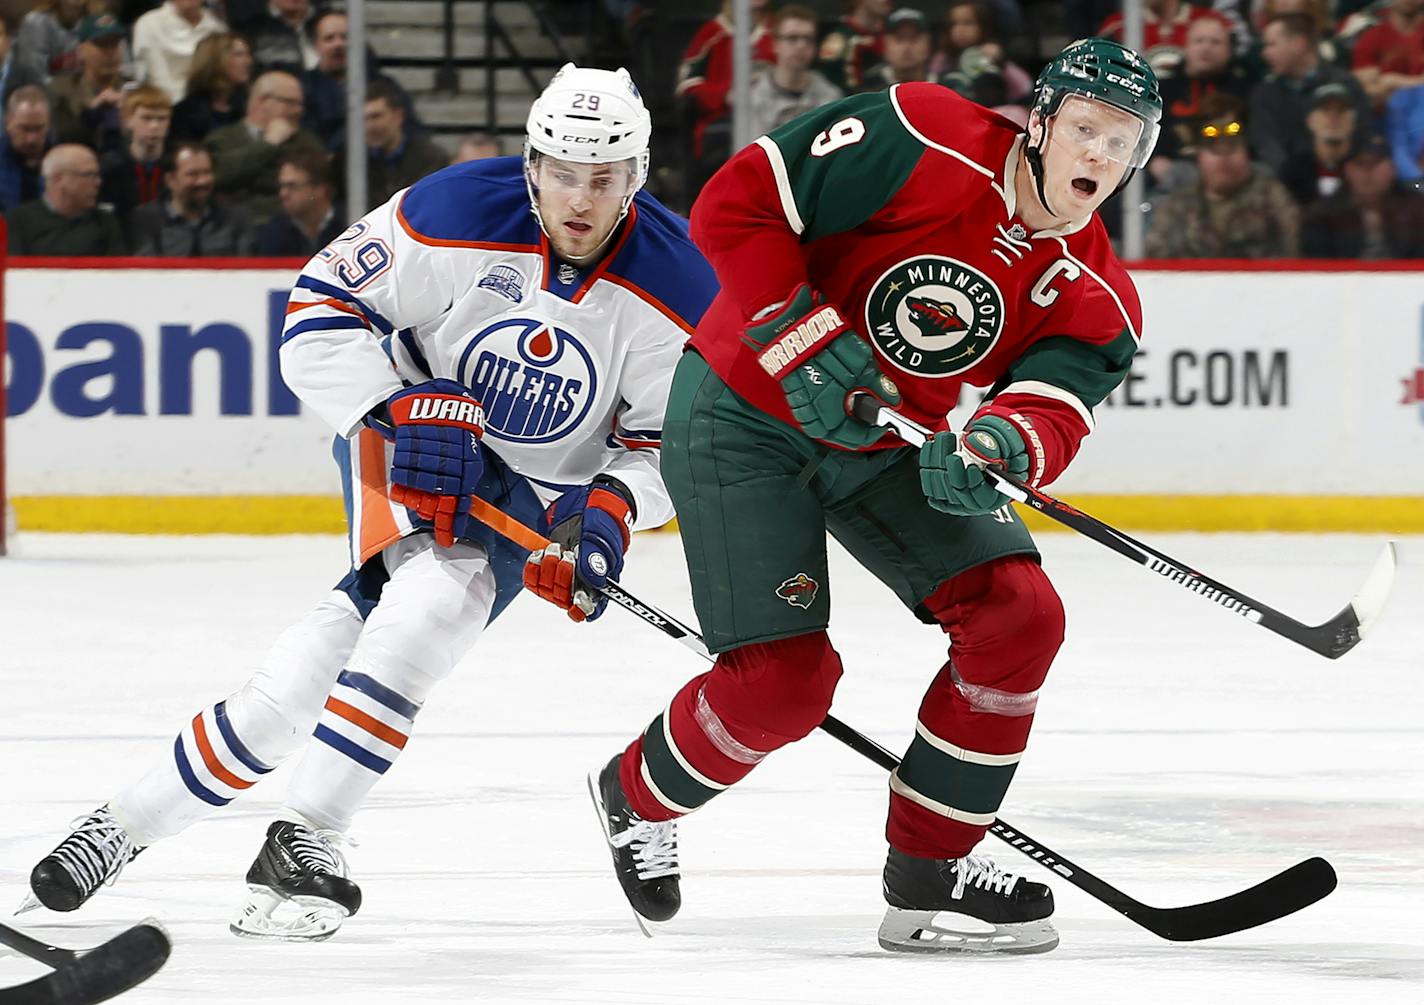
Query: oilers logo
[536, 381]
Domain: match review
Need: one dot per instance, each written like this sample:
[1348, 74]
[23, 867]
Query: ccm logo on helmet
[1126, 82]
[578, 139]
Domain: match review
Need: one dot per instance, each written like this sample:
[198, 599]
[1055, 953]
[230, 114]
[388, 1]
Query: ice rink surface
[1179, 752]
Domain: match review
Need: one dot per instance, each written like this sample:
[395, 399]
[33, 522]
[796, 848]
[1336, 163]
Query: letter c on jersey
[1041, 294]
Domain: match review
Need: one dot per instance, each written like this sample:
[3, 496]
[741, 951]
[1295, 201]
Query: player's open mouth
[1085, 187]
[578, 226]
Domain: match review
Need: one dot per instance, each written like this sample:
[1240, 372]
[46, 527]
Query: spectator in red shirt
[855, 44]
[705, 77]
[1390, 56]
[1208, 68]
[1164, 32]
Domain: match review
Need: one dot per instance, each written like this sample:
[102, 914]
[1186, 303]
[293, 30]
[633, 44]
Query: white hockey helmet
[589, 116]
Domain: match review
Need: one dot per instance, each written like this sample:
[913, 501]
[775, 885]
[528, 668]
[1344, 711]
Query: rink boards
[149, 400]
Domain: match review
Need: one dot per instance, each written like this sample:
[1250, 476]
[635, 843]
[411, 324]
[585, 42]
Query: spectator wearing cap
[280, 36]
[1404, 122]
[66, 219]
[855, 44]
[790, 87]
[1280, 103]
[906, 51]
[218, 80]
[1390, 56]
[14, 72]
[1234, 209]
[245, 154]
[1317, 174]
[310, 219]
[132, 174]
[23, 146]
[397, 157]
[1371, 216]
[478, 147]
[970, 41]
[704, 78]
[86, 100]
[1208, 67]
[188, 223]
[324, 85]
[164, 41]
[1164, 32]
[48, 39]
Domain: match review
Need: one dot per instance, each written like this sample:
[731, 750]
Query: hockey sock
[1005, 623]
[224, 749]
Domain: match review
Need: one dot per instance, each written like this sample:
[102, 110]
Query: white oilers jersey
[453, 278]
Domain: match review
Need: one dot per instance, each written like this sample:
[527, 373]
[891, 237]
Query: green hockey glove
[952, 468]
[819, 360]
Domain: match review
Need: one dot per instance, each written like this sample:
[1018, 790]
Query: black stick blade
[125, 961]
[1285, 893]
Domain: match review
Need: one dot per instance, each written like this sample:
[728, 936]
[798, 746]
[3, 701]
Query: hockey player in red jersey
[904, 244]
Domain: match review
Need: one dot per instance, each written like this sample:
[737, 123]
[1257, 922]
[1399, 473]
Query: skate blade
[30, 903]
[947, 932]
[644, 925]
[269, 915]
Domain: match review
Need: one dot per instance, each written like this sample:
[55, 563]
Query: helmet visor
[1088, 125]
[558, 177]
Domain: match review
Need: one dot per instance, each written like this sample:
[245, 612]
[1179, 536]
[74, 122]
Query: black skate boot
[92, 856]
[963, 905]
[644, 852]
[297, 887]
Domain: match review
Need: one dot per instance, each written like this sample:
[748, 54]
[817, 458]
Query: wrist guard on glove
[438, 462]
[952, 473]
[589, 532]
[819, 360]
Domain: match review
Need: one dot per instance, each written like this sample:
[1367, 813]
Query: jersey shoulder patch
[479, 204]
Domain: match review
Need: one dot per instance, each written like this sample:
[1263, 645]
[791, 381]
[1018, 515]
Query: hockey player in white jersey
[461, 348]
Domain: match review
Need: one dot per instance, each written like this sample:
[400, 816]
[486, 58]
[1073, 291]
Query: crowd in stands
[218, 127]
[191, 129]
[1290, 127]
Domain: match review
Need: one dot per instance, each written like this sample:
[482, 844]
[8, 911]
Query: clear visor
[1104, 130]
[558, 177]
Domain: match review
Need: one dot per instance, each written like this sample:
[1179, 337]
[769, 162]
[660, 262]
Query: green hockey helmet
[1101, 69]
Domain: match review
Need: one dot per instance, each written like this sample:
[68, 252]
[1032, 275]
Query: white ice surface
[1180, 752]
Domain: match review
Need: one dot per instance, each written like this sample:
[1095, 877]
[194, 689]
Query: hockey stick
[1285, 893]
[125, 961]
[1331, 639]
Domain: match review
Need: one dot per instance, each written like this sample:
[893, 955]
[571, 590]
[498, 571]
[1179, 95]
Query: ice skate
[965, 905]
[298, 890]
[92, 856]
[644, 852]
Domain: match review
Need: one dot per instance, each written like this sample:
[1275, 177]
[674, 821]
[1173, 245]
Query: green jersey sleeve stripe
[783, 183]
[1043, 389]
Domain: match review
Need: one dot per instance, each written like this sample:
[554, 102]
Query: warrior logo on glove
[934, 316]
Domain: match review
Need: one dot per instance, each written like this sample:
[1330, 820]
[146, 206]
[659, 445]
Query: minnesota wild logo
[798, 591]
[934, 316]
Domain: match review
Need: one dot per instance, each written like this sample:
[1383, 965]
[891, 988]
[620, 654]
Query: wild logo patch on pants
[799, 591]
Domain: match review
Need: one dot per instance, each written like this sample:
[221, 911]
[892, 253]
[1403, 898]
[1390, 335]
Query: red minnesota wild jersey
[899, 207]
